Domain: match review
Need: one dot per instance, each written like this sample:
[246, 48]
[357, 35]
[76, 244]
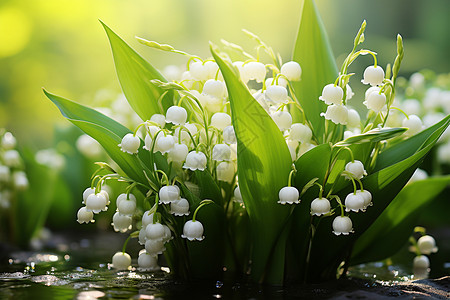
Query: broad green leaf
[134, 75]
[313, 52]
[95, 124]
[374, 135]
[264, 164]
[408, 147]
[392, 228]
[208, 187]
[75, 111]
[384, 185]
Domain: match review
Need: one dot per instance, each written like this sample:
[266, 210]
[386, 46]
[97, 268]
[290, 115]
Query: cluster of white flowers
[12, 175]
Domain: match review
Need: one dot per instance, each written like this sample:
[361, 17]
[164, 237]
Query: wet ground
[73, 270]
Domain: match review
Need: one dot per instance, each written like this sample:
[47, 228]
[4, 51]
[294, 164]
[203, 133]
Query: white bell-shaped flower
[421, 262]
[195, 160]
[375, 101]
[215, 88]
[96, 203]
[342, 225]
[158, 119]
[193, 230]
[254, 70]
[154, 247]
[367, 196]
[300, 132]
[105, 193]
[289, 195]
[338, 114]
[332, 94]
[147, 218]
[130, 143]
[184, 136]
[121, 223]
[124, 196]
[121, 261]
[211, 68]
[373, 75]
[276, 94]
[8, 141]
[198, 71]
[283, 119]
[178, 153]
[11, 158]
[354, 202]
[354, 120]
[5, 174]
[176, 115]
[147, 262]
[229, 135]
[220, 120]
[164, 143]
[427, 244]
[85, 216]
[20, 180]
[221, 152]
[169, 193]
[320, 206]
[356, 169]
[225, 171]
[179, 207]
[86, 193]
[291, 70]
[154, 231]
[414, 125]
[237, 195]
[126, 207]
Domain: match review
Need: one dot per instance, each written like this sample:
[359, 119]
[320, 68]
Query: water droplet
[219, 284]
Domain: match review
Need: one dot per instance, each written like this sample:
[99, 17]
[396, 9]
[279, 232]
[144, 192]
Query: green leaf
[134, 75]
[374, 135]
[406, 148]
[313, 52]
[393, 227]
[108, 133]
[264, 164]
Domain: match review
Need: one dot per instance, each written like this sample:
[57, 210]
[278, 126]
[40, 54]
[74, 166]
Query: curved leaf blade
[264, 164]
[313, 52]
[134, 75]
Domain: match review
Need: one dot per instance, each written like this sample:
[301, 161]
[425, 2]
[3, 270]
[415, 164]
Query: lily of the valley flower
[320, 206]
[193, 230]
[121, 261]
[291, 70]
[176, 115]
[373, 75]
[342, 225]
[195, 160]
[427, 244]
[332, 94]
[130, 143]
[289, 195]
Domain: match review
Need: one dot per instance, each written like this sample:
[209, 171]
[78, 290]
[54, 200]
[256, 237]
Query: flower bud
[121, 261]
[291, 70]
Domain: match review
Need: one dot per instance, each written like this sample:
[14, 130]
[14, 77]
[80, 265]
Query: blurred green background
[60, 45]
